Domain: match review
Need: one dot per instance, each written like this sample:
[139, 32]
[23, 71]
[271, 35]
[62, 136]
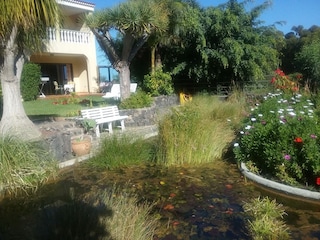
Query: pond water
[192, 203]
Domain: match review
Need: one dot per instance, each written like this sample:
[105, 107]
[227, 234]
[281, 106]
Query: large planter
[294, 191]
[81, 145]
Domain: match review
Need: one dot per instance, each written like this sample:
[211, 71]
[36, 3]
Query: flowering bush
[281, 138]
[286, 83]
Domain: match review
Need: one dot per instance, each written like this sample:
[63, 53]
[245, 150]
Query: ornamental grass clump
[24, 166]
[281, 138]
[197, 132]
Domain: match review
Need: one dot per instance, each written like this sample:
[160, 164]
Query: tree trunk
[158, 61]
[153, 57]
[14, 121]
[124, 75]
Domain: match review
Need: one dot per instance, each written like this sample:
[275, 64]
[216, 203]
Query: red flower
[168, 207]
[318, 181]
[280, 72]
[172, 195]
[298, 140]
[273, 80]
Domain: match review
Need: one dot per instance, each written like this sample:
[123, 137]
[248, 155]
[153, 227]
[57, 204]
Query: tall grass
[23, 166]
[130, 220]
[113, 213]
[199, 131]
[122, 150]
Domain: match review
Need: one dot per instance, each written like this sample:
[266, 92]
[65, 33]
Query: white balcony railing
[68, 36]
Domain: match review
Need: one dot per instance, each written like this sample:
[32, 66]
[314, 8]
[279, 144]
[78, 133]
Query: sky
[291, 12]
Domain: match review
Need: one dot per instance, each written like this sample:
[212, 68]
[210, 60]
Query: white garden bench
[103, 115]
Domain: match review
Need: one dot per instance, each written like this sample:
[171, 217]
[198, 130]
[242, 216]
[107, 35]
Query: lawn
[61, 107]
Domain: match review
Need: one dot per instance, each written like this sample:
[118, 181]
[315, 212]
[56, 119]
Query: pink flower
[313, 136]
[287, 157]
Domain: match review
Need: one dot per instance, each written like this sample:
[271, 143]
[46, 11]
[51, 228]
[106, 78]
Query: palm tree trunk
[14, 121]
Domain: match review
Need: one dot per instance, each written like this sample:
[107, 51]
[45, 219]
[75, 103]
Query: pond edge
[302, 193]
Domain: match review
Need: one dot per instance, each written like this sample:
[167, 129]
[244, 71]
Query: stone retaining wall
[151, 115]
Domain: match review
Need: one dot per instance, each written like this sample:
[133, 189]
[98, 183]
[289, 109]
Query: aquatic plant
[265, 219]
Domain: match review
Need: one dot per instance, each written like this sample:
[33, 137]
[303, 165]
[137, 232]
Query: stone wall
[151, 115]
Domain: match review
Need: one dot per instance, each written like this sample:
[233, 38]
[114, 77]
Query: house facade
[70, 58]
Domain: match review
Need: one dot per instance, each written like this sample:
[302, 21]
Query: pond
[202, 202]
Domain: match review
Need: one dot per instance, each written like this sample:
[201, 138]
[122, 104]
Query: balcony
[68, 36]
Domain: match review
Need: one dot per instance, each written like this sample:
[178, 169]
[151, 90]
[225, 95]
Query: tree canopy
[228, 45]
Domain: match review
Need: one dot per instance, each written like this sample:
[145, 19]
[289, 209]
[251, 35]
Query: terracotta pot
[81, 146]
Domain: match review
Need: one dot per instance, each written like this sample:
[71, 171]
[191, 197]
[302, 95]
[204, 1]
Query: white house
[70, 58]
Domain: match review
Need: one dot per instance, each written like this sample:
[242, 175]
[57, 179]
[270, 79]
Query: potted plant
[81, 145]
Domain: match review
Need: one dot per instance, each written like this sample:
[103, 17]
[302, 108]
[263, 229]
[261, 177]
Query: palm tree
[134, 21]
[22, 30]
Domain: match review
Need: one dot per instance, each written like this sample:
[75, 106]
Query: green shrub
[24, 166]
[136, 100]
[282, 139]
[266, 219]
[197, 132]
[30, 79]
[158, 83]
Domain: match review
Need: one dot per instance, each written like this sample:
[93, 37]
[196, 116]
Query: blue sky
[292, 12]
